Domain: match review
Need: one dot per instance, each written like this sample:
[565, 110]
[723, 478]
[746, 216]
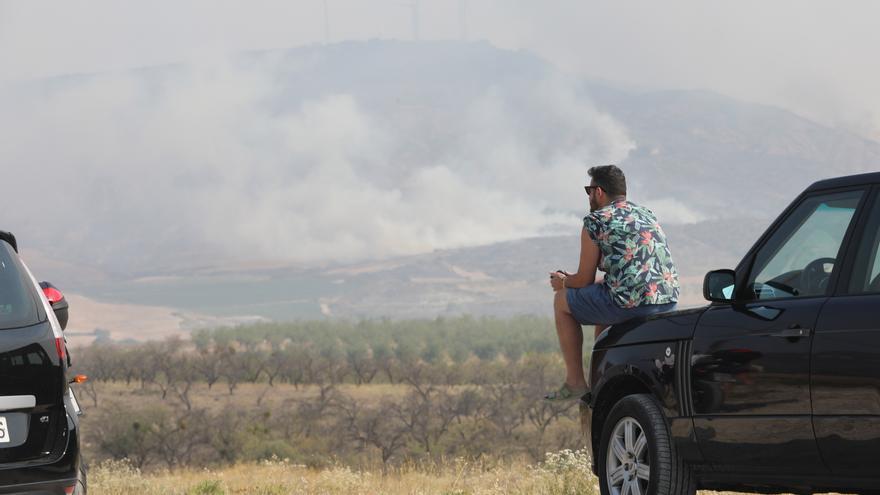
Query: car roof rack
[10, 238]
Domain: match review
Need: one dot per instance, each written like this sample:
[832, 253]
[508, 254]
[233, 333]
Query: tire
[649, 468]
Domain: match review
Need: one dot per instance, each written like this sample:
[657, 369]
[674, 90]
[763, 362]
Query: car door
[846, 361]
[750, 368]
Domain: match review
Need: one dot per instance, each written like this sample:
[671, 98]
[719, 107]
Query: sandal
[566, 393]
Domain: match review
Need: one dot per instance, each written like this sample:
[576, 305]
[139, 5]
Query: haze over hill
[379, 178]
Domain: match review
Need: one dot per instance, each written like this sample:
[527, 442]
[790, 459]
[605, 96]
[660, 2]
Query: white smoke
[141, 168]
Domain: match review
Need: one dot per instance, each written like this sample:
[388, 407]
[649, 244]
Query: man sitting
[625, 241]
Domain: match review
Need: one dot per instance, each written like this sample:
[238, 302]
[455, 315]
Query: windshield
[18, 304]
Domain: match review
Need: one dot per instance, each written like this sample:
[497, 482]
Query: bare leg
[599, 329]
[571, 341]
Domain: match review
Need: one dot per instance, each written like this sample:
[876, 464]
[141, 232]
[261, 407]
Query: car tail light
[52, 294]
[68, 490]
[60, 347]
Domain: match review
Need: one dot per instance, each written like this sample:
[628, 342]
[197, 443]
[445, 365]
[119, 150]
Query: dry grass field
[565, 472]
[562, 473]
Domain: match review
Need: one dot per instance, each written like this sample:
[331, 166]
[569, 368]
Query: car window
[866, 269]
[799, 257]
[18, 303]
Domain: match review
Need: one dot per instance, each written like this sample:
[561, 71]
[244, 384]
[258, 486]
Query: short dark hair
[610, 178]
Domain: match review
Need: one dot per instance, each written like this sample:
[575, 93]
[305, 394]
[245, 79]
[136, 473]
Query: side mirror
[58, 302]
[719, 285]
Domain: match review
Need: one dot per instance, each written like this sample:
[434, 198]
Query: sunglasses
[590, 189]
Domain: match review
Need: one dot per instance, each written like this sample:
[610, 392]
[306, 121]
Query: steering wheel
[814, 279]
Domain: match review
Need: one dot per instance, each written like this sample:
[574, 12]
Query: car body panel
[662, 327]
[846, 383]
[62, 471]
[647, 352]
[751, 387]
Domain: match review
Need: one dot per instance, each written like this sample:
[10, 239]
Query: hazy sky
[815, 58]
[195, 162]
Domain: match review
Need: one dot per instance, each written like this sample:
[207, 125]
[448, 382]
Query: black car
[773, 387]
[39, 415]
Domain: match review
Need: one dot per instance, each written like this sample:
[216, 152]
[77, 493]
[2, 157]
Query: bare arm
[589, 262]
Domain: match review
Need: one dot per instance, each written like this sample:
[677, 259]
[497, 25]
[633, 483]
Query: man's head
[607, 184]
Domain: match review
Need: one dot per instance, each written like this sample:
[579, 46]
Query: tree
[177, 435]
[361, 362]
[374, 426]
[208, 362]
[125, 434]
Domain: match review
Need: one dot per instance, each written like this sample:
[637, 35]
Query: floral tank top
[634, 256]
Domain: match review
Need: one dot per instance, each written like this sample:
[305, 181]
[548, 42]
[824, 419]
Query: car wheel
[636, 455]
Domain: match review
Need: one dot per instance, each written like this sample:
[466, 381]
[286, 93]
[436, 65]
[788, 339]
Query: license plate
[4, 431]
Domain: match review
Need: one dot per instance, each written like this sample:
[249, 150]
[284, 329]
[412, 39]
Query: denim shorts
[592, 305]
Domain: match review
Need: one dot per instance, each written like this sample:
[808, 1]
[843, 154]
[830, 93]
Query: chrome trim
[10, 402]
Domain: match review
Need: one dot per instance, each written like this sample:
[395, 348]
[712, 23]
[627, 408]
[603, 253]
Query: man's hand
[556, 280]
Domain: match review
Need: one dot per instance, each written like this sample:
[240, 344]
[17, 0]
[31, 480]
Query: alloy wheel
[627, 466]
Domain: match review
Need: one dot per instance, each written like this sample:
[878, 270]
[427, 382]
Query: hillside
[388, 178]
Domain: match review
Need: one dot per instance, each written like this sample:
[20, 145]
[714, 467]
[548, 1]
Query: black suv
[39, 416]
[775, 386]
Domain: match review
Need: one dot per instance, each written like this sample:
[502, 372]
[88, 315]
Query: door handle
[793, 332]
